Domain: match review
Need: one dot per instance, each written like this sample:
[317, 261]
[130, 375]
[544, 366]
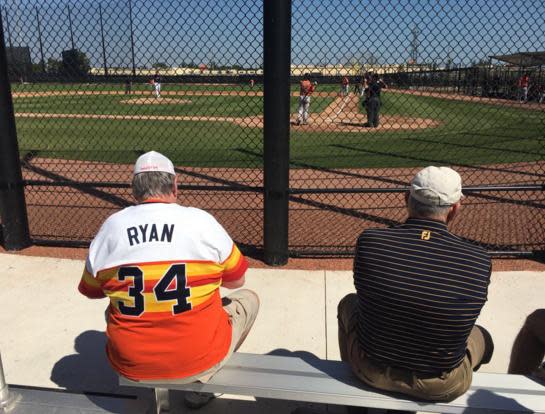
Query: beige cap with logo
[437, 186]
[153, 162]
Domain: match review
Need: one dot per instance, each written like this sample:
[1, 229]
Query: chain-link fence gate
[96, 83]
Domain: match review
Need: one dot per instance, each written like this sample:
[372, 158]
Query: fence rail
[216, 87]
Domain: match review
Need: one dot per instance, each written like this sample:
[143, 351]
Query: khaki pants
[242, 307]
[446, 387]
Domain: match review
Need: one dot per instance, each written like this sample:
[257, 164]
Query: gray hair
[152, 184]
[419, 209]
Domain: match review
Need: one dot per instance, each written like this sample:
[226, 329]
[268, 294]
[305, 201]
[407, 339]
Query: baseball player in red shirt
[345, 83]
[305, 91]
[523, 84]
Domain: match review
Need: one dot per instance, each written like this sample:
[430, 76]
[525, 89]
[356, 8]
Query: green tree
[37, 68]
[75, 64]
[53, 66]
[160, 65]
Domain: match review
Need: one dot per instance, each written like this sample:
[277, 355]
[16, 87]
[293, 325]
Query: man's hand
[234, 284]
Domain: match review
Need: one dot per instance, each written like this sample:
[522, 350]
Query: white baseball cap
[153, 161]
[437, 186]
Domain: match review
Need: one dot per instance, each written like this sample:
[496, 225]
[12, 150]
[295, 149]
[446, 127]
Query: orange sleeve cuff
[90, 287]
[235, 266]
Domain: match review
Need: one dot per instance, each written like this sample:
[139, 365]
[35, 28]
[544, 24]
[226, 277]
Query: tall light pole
[70, 26]
[132, 40]
[40, 39]
[102, 37]
[415, 43]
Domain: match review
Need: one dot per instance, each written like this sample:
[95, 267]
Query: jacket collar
[426, 223]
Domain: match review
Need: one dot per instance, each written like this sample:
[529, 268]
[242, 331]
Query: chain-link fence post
[132, 40]
[277, 60]
[12, 197]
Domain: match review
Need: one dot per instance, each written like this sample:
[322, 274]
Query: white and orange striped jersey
[161, 266]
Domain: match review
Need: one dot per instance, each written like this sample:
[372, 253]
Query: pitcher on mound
[305, 92]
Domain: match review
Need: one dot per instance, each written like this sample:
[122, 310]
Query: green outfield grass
[120, 87]
[165, 86]
[222, 106]
[237, 106]
[207, 144]
[469, 132]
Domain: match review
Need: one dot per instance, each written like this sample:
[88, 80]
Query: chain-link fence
[460, 84]
[379, 89]
[95, 84]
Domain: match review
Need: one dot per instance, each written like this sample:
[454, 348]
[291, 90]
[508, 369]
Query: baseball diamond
[439, 116]
[199, 128]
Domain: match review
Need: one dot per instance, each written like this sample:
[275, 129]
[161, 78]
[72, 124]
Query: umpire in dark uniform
[372, 102]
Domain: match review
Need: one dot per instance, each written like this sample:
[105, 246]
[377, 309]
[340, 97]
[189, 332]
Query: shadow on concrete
[485, 398]
[88, 371]
[243, 405]
[306, 356]
[315, 361]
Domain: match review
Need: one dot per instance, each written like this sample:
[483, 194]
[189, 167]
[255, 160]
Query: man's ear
[175, 186]
[453, 211]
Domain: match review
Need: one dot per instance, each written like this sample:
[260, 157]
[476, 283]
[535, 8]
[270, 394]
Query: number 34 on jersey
[136, 289]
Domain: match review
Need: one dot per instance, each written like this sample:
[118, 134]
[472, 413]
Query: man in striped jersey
[410, 328]
[161, 266]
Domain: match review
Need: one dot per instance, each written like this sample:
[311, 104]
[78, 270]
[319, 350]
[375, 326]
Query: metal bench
[332, 382]
[29, 400]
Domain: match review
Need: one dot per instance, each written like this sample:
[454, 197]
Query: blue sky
[323, 32]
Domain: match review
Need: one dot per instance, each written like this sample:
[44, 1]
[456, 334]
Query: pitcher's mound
[156, 101]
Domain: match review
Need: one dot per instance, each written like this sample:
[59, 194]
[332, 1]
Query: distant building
[176, 71]
[19, 62]
[296, 70]
[355, 69]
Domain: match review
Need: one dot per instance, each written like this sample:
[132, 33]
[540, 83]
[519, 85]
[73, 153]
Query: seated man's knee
[248, 298]
[536, 320]
[347, 303]
[346, 310]
[254, 298]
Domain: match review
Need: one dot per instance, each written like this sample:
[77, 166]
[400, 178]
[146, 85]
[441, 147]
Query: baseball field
[221, 126]
[74, 133]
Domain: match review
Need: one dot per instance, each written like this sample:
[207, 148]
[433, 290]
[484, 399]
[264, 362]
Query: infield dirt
[342, 115]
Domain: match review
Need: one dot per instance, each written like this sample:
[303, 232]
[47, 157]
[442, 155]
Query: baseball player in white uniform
[157, 85]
